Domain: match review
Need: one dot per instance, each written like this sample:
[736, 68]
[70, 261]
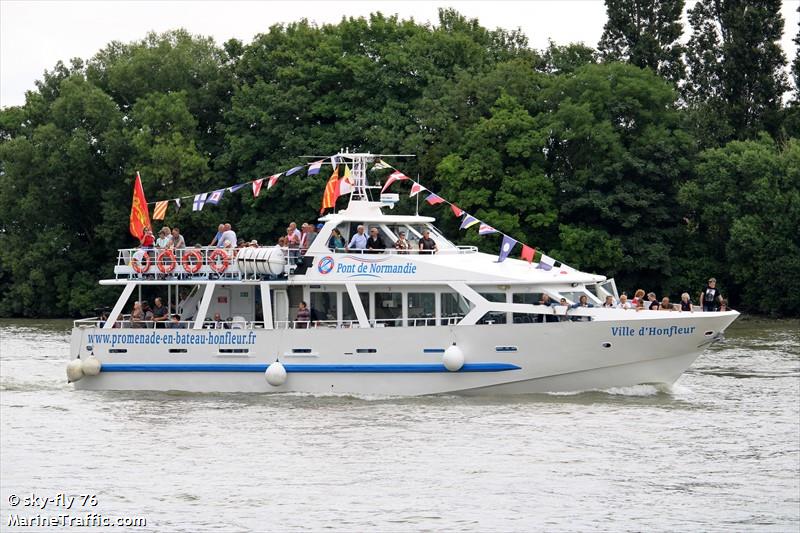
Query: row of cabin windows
[386, 308]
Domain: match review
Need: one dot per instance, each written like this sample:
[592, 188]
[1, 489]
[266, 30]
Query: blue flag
[293, 170]
[506, 247]
[468, 221]
[215, 197]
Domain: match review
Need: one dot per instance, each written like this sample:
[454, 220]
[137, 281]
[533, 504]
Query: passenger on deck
[638, 298]
[148, 313]
[583, 302]
[292, 243]
[307, 237]
[295, 231]
[336, 242]
[177, 241]
[175, 322]
[159, 313]
[147, 241]
[217, 240]
[563, 303]
[281, 242]
[375, 242]
[229, 236]
[401, 244]
[686, 302]
[549, 302]
[623, 302]
[303, 316]
[609, 301]
[164, 238]
[359, 240]
[137, 316]
[711, 296]
[652, 302]
[666, 305]
[426, 244]
[218, 323]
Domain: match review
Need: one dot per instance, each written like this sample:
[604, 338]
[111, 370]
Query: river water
[719, 451]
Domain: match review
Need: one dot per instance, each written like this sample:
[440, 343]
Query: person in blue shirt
[583, 301]
[217, 241]
[359, 240]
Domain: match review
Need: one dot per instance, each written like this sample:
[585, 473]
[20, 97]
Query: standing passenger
[359, 240]
[711, 296]
[426, 244]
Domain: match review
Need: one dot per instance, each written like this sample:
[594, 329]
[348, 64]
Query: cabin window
[323, 306]
[388, 309]
[348, 313]
[494, 317]
[531, 298]
[421, 309]
[454, 307]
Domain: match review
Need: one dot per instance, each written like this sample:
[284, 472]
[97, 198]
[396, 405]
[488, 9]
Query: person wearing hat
[711, 296]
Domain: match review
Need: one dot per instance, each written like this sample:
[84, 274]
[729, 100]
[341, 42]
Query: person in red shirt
[148, 241]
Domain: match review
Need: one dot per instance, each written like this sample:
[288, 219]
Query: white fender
[453, 358]
[91, 366]
[74, 371]
[276, 374]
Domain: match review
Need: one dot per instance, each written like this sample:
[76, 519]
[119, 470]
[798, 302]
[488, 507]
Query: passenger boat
[391, 323]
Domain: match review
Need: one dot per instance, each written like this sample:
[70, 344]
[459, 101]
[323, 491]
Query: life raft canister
[219, 261]
[189, 266]
[137, 264]
[169, 265]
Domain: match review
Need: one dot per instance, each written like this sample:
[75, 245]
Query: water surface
[719, 451]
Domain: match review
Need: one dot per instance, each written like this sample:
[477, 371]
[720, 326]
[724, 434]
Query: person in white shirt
[228, 236]
[293, 226]
[623, 302]
[359, 240]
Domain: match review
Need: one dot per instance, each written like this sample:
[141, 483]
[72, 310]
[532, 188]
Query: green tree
[645, 33]
[735, 80]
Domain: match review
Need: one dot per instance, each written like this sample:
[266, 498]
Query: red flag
[528, 253]
[394, 176]
[140, 215]
[257, 187]
[331, 193]
[456, 210]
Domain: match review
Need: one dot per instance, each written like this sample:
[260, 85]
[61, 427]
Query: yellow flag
[161, 210]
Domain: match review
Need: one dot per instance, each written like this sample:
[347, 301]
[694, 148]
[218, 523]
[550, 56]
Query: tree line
[657, 162]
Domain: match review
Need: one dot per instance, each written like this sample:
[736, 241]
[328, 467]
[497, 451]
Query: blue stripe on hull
[385, 369]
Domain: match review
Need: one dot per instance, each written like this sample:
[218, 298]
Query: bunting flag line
[507, 245]
[215, 197]
[434, 199]
[234, 188]
[161, 210]
[486, 229]
[314, 168]
[380, 164]
[140, 214]
[331, 193]
[468, 221]
[177, 204]
[528, 253]
[273, 180]
[199, 201]
[415, 189]
[346, 184]
[545, 263]
[257, 187]
[394, 176]
[456, 210]
[293, 170]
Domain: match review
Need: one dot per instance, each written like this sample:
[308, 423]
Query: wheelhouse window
[421, 309]
[388, 309]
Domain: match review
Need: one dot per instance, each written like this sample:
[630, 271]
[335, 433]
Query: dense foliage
[656, 164]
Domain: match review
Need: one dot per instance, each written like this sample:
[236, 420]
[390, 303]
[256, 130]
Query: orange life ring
[166, 267]
[138, 267]
[213, 261]
[189, 267]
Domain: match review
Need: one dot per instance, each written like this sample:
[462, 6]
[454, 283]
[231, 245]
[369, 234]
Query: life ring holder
[190, 267]
[137, 266]
[214, 261]
[166, 267]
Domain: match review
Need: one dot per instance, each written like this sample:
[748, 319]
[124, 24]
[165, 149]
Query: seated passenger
[426, 244]
[401, 244]
[159, 313]
[375, 242]
[623, 302]
[609, 301]
[638, 298]
[303, 316]
[175, 322]
[358, 241]
[651, 303]
[665, 305]
[218, 323]
[686, 302]
[137, 316]
[336, 242]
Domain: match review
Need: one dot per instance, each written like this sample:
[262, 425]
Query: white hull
[532, 358]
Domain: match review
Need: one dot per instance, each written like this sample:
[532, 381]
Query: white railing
[125, 321]
[389, 250]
